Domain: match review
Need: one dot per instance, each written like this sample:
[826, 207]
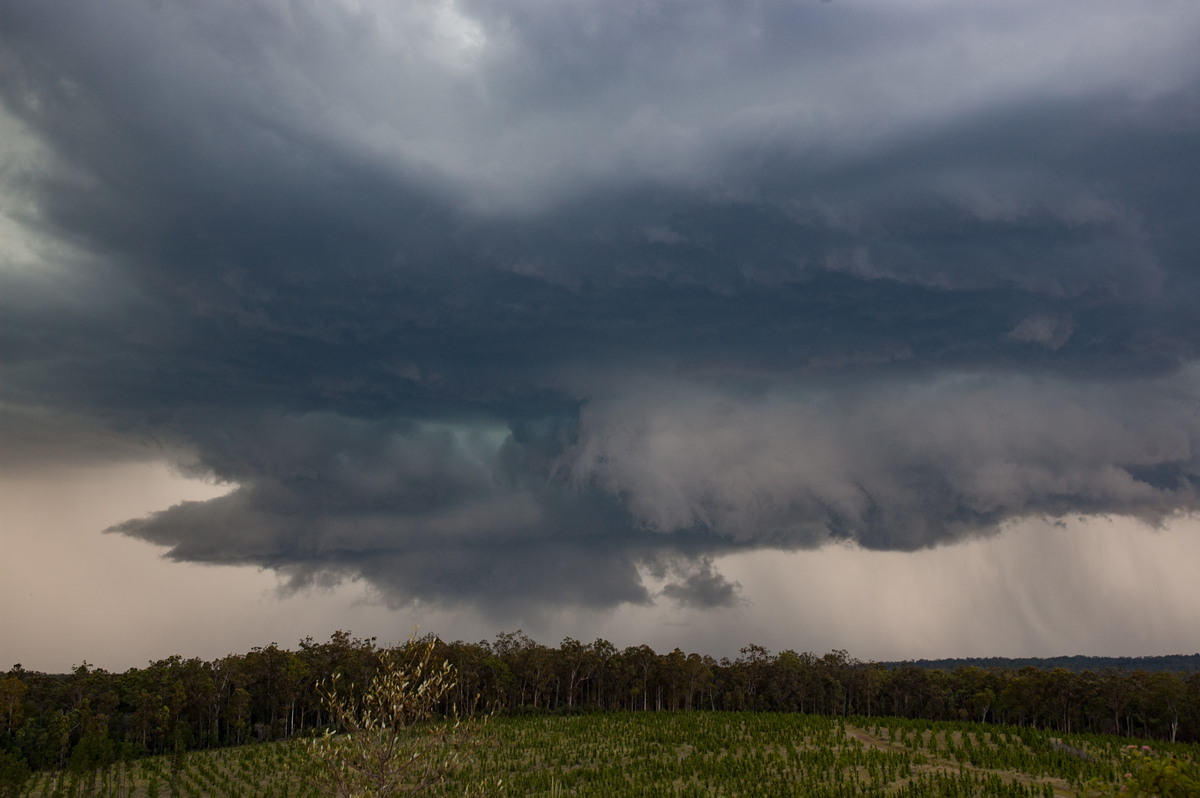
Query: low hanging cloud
[896, 466]
[525, 306]
[666, 475]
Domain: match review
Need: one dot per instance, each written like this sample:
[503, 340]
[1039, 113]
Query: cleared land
[681, 754]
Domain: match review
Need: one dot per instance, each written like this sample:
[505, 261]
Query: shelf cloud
[515, 304]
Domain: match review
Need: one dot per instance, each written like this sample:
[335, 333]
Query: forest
[90, 717]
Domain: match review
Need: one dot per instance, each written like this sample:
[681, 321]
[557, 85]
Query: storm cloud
[517, 304]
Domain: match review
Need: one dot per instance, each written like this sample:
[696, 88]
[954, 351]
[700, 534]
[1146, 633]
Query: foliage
[13, 774]
[388, 740]
[1167, 778]
[628, 754]
[90, 718]
[1154, 776]
[1173, 663]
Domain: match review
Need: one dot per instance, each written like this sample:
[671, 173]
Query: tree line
[91, 717]
[1078, 663]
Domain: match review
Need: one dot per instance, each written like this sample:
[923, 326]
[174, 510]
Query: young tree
[390, 740]
[14, 773]
[12, 707]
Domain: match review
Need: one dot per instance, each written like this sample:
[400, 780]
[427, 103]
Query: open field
[680, 754]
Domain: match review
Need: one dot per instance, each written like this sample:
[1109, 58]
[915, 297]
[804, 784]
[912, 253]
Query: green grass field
[681, 754]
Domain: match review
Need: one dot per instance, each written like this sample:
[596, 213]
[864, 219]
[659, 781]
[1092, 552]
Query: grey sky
[524, 308]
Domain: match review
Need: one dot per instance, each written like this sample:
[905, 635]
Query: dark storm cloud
[437, 511]
[510, 303]
[897, 466]
[698, 584]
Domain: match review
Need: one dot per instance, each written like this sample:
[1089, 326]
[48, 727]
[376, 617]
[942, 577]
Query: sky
[854, 324]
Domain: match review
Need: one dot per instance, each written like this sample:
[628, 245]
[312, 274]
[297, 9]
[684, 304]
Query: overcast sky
[857, 324]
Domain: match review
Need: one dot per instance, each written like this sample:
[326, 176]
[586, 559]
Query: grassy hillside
[681, 753]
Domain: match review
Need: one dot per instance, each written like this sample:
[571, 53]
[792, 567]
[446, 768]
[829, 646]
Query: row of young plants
[267, 770]
[680, 754]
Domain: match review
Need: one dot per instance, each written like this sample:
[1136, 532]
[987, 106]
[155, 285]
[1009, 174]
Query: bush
[14, 772]
[388, 740]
